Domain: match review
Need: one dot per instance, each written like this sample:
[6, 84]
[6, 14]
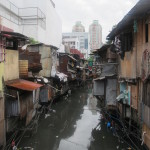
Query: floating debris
[117, 147]
[47, 115]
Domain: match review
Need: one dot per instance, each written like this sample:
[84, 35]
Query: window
[146, 33]
[127, 41]
[146, 93]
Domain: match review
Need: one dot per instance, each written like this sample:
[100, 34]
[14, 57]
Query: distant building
[78, 27]
[71, 42]
[95, 35]
[83, 40]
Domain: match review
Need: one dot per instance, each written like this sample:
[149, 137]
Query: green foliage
[33, 41]
[90, 58]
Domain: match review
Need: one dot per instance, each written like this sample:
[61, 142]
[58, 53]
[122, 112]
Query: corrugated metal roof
[14, 35]
[75, 51]
[23, 84]
[72, 58]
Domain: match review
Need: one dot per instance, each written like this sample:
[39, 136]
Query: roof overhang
[105, 77]
[23, 85]
[72, 58]
[13, 35]
[140, 10]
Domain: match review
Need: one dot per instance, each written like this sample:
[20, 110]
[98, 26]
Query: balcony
[22, 16]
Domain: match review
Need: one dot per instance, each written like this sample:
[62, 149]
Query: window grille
[2, 49]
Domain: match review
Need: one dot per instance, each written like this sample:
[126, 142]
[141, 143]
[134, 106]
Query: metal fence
[22, 16]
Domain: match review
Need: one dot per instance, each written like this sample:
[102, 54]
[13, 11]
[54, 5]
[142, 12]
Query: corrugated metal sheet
[134, 100]
[23, 84]
[128, 112]
[12, 108]
[23, 68]
[98, 89]
[108, 69]
[111, 55]
[111, 91]
[33, 58]
[44, 95]
[146, 115]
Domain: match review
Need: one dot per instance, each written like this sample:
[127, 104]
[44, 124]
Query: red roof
[75, 51]
[23, 84]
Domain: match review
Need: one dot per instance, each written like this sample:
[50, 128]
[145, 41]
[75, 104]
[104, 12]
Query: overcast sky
[108, 12]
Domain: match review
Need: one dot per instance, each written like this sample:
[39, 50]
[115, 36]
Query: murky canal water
[74, 124]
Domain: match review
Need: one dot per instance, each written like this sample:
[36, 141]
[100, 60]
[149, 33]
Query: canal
[74, 123]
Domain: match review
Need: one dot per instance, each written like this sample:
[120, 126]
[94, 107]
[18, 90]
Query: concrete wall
[11, 65]
[52, 35]
[46, 61]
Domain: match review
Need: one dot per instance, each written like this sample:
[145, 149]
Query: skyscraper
[95, 35]
[78, 27]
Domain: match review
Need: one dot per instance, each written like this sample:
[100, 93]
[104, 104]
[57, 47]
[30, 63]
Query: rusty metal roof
[14, 35]
[23, 84]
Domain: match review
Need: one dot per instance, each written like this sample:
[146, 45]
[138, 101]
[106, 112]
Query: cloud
[108, 12]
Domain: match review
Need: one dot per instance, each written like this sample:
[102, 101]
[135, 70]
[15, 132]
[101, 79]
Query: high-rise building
[95, 35]
[78, 27]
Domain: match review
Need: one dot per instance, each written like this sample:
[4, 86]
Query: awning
[23, 84]
[101, 78]
[104, 77]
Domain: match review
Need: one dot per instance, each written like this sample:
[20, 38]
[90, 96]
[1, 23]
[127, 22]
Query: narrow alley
[73, 124]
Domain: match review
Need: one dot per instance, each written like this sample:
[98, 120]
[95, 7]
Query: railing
[9, 11]
[22, 16]
[32, 16]
[52, 3]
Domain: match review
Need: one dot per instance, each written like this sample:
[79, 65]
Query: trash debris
[69, 92]
[117, 147]
[75, 126]
[28, 148]
[54, 111]
[103, 137]
[14, 147]
[47, 115]
[50, 125]
[57, 136]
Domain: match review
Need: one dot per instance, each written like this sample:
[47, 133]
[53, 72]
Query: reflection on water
[82, 135]
[74, 125]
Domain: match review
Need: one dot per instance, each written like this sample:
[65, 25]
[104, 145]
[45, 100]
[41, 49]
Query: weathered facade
[15, 101]
[106, 71]
[67, 65]
[131, 41]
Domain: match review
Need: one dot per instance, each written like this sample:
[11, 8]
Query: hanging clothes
[117, 44]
